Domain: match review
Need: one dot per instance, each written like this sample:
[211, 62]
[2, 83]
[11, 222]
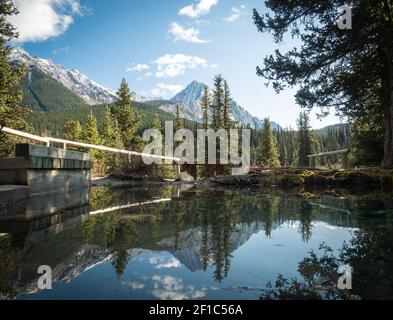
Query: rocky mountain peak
[189, 101]
[193, 92]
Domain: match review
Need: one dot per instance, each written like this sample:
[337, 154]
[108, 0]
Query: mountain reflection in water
[185, 242]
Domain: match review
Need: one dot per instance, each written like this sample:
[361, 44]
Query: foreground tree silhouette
[367, 253]
[11, 114]
[350, 71]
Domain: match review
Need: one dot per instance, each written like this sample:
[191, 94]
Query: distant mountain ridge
[193, 92]
[189, 101]
[49, 86]
[89, 91]
[73, 80]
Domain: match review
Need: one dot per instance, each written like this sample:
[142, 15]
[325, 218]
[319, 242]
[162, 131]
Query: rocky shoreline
[289, 178]
[281, 178]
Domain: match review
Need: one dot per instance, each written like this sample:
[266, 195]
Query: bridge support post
[345, 160]
[191, 169]
[177, 170]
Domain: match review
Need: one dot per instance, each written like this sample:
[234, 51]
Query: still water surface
[184, 242]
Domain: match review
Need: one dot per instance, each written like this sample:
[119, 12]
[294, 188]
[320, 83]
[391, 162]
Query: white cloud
[39, 20]
[61, 50]
[170, 66]
[171, 288]
[155, 260]
[198, 9]
[167, 90]
[180, 33]
[202, 21]
[235, 14]
[76, 7]
[172, 263]
[138, 68]
[134, 285]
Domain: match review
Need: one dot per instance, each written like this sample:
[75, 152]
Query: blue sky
[159, 46]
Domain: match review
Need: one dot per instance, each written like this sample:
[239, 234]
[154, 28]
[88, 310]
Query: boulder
[185, 177]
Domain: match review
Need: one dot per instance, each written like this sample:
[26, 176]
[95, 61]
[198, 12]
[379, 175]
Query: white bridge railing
[65, 143]
[343, 153]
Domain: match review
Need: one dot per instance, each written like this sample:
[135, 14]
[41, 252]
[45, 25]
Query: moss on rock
[316, 180]
[291, 180]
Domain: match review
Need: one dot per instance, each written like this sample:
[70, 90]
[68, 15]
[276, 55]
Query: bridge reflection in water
[223, 235]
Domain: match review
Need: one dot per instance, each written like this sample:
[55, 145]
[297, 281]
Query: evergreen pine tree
[11, 114]
[111, 131]
[218, 102]
[348, 70]
[227, 122]
[304, 139]
[291, 146]
[127, 118]
[72, 130]
[158, 169]
[157, 123]
[179, 120]
[206, 103]
[267, 155]
[90, 135]
[282, 148]
[111, 137]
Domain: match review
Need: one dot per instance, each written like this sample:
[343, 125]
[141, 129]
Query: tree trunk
[387, 87]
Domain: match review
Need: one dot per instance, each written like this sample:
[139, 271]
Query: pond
[184, 242]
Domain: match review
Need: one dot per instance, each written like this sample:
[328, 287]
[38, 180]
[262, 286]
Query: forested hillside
[289, 143]
[52, 122]
[46, 94]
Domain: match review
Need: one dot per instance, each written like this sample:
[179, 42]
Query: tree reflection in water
[211, 222]
[8, 262]
[218, 214]
[370, 255]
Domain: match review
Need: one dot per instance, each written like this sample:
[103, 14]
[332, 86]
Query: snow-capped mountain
[187, 246]
[189, 101]
[192, 93]
[88, 90]
[75, 81]
[84, 89]
[138, 98]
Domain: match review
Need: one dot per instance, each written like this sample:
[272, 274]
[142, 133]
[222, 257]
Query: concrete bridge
[45, 169]
[39, 168]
